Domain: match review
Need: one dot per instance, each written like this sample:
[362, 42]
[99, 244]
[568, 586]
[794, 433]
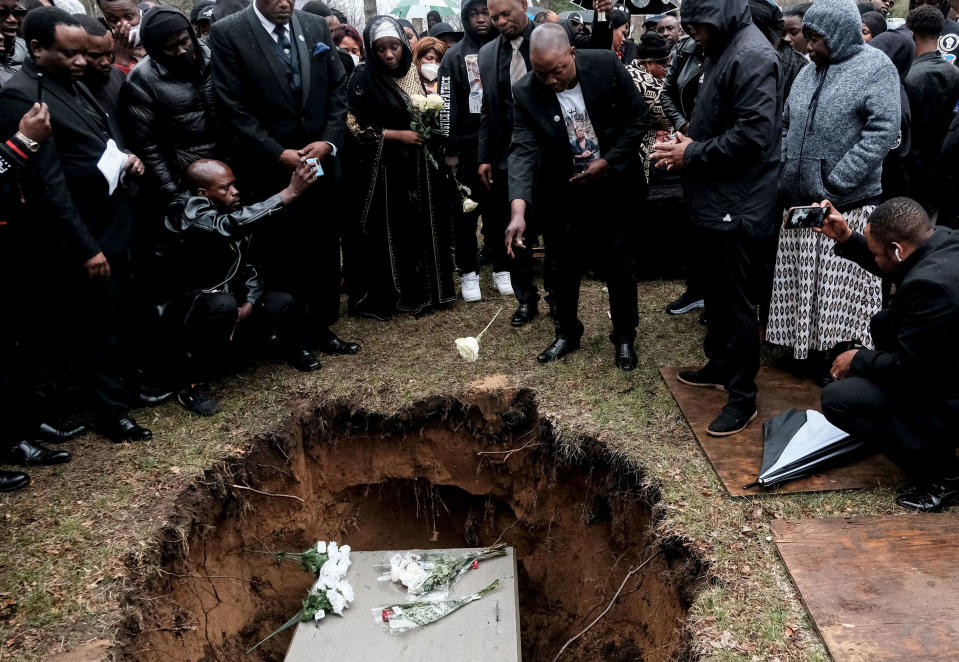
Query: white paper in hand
[111, 164]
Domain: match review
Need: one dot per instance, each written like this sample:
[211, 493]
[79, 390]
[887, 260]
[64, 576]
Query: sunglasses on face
[17, 13]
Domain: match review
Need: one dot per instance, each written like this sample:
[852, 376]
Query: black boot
[11, 481]
[32, 454]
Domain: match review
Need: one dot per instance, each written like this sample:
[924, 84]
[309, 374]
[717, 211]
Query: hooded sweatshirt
[460, 87]
[732, 162]
[841, 119]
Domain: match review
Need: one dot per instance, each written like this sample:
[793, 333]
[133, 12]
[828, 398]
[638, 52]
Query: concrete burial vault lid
[487, 629]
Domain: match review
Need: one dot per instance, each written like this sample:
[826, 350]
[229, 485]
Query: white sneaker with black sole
[503, 283]
[469, 284]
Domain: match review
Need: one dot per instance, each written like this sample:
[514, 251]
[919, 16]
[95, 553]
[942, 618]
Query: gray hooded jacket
[841, 120]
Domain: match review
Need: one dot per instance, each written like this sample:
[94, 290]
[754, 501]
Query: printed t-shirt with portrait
[582, 137]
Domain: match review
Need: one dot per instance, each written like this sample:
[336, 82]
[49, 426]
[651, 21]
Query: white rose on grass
[434, 102]
[418, 101]
[468, 348]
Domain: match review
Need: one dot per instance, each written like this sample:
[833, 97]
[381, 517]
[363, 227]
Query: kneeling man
[578, 123]
[218, 289]
[903, 396]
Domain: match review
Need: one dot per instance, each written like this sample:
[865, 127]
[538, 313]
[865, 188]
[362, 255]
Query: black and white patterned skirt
[820, 299]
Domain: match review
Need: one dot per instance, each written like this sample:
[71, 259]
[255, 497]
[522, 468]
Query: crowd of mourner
[176, 188]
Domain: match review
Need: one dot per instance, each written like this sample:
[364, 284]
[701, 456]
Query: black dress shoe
[11, 481]
[305, 361]
[930, 496]
[625, 356]
[32, 454]
[151, 399]
[558, 349]
[334, 345]
[56, 435]
[125, 429]
[524, 314]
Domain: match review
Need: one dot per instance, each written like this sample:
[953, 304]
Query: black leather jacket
[170, 122]
[682, 82]
[211, 252]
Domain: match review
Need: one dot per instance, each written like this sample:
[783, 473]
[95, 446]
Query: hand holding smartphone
[801, 218]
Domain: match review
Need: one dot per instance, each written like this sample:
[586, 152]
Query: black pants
[300, 254]
[911, 435]
[521, 268]
[205, 323]
[494, 223]
[732, 327]
[575, 244]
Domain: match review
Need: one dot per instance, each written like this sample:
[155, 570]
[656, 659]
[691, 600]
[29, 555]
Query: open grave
[449, 473]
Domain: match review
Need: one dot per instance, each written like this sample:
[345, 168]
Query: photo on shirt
[582, 139]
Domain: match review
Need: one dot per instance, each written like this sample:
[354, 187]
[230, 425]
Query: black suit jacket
[62, 183]
[255, 98]
[541, 147]
[495, 117]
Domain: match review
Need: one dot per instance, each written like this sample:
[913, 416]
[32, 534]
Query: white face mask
[356, 58]
[430, 70]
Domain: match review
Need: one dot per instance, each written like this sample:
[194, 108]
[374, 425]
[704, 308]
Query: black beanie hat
[158, 24]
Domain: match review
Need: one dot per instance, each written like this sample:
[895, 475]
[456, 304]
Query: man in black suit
[578, 122]
[502, 62]
[282, 91]
[64, 186]
[903, 396]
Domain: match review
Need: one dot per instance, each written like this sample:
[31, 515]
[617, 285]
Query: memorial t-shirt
[582, 136]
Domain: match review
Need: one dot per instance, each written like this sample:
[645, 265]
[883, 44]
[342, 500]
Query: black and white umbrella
[797, 444]
[648, 7]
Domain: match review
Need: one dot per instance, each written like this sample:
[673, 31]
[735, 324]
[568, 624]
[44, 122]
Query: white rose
[469, 205]
[337, 601]
[468, 348]
[434, 102]
[321, 547]
[345, 590]
[419, 102]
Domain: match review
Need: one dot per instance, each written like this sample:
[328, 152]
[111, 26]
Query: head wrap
[386, 29]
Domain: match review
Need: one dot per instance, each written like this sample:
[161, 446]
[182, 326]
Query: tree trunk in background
[369, 8]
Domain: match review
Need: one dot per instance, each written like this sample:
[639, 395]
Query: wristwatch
[31, 145]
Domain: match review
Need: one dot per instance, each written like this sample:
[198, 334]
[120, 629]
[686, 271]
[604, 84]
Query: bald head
[548, 37]
[214, 180]
[552, 58]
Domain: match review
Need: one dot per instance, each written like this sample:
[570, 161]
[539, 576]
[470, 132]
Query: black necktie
[283, 45]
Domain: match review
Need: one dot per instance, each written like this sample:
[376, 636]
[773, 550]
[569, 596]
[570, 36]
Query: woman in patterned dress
[840, 121]
[648, 72]
[400, 231]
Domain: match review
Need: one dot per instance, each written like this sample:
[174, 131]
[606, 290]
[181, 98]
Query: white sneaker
[470, 286]
[503, 283]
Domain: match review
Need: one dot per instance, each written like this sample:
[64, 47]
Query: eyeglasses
[17, 13]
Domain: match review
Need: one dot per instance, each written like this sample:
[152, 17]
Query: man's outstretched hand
[594, 170]
[671, 155]
[835, 226]
[301, 179]
[517, 227]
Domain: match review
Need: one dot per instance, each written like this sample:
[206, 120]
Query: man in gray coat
[731, 160]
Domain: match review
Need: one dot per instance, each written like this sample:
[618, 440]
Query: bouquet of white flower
[426, 120]
[330, 592]
[424, 572]
[402, 617]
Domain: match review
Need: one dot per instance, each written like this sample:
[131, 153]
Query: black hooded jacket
[170, 118]
[899, 47]
[732, 164]
[459, 76]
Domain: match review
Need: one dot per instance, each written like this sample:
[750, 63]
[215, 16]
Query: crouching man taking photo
[903, 396]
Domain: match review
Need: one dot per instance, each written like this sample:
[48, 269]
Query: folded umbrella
[797, 444]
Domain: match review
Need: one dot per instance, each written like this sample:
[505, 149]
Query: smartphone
[317, 167]
[39, 87]
[798, 218]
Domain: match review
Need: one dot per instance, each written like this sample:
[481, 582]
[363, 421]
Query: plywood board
[737, 459]
[487, 629]
[878, 588]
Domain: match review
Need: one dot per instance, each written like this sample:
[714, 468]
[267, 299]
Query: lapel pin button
[555, 118]
[300, 37]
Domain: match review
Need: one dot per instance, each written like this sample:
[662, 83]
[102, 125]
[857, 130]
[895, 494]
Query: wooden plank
[737, 459]
[878, 588]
